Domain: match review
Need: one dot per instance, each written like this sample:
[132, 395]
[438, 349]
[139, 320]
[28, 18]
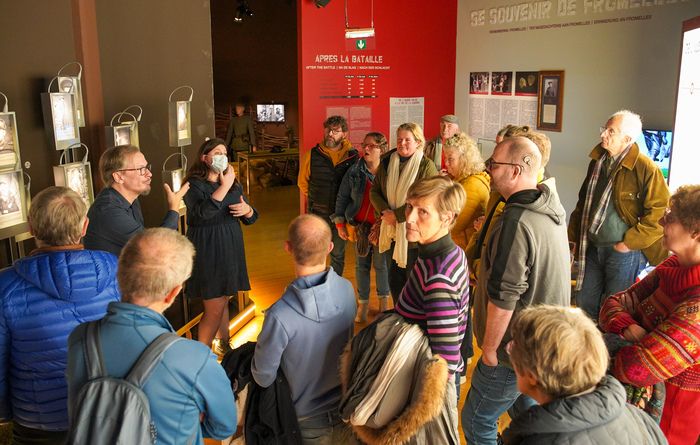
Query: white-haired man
[449, 126]
[616, 221]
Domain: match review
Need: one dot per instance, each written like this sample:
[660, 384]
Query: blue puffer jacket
[43, 297]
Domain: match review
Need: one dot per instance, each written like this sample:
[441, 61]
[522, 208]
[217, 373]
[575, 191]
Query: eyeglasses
[604, 130]
[668, 217]
[334, 131]
[372, 146]
[489, 163]
[142, 170]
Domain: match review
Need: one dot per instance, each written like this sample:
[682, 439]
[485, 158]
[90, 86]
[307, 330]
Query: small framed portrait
[526, 83]
[9, 142]
[549, 100]
[502, 83]
[76, 176]
[72, 85]
[479, 83]
[60, 119]
[12, 199]
[180, 123]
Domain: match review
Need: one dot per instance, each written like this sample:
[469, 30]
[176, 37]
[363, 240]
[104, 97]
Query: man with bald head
[305, 332]
[525, 262]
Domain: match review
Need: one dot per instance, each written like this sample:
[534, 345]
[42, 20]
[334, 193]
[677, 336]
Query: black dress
[219, 263]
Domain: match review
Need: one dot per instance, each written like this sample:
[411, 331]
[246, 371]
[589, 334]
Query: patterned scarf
[599, 215]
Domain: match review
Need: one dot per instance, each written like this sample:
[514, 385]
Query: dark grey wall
[147, 49]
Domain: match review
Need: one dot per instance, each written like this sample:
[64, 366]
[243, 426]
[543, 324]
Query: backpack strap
[150, 357]
[92, 349]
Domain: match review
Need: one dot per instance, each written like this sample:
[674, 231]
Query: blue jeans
[362, 273]
[325, 429]
[494, 390]
[607, 272]
[338, 252]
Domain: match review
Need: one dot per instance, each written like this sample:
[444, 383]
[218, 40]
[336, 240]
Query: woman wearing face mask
[215, 208]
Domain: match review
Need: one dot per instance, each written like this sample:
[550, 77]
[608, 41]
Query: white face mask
[219, 163]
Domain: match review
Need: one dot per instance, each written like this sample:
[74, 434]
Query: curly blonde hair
[471, 161]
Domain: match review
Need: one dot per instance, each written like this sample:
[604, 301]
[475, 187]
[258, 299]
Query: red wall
[416, 39]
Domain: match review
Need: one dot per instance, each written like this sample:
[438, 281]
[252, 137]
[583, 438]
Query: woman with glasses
[660, 316]
[215, 209]
[354, 210]
[560, 359]
[398, 170]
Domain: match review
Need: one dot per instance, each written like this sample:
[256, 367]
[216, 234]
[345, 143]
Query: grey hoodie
[305, 332]
[526, 259]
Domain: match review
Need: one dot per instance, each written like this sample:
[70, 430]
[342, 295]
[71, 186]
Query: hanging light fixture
[242, 11]
[359, 33]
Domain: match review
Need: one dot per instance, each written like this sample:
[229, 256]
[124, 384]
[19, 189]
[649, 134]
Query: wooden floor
[270, 267]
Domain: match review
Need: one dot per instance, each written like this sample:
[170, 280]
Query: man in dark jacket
[321, 171]
[116, 213]
[305, 332]
[43, 297]
[560, 360]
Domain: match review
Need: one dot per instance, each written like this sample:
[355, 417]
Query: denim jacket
[351, 191]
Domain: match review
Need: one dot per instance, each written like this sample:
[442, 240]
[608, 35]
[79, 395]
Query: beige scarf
[397, 186]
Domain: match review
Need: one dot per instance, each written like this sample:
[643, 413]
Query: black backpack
[112, 410]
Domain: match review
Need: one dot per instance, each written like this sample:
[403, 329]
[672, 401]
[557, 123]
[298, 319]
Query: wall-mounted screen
[9, 144]
[119, 134]
[76, 176]
[683, 167]
[60, 119]
[180, 123]
[656, 144]
[12, 204]
[271, 113]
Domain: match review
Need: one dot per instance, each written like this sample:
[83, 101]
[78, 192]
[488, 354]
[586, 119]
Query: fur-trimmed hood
[426, 409]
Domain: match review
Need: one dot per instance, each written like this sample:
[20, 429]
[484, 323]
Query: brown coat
[640, 196]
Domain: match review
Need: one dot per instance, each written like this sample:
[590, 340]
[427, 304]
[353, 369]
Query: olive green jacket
[640, 196]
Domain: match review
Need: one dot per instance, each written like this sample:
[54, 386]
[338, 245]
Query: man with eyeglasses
[525, 262]
[615, 224]
[321, 171]
[449, 126]
[116, 216]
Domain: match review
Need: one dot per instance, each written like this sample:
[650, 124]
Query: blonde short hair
[449, 196]
[415, 130]
[114, 159]
[153, 263]
[470, 159]
[309, 238]
[57, 215]
[561, 347]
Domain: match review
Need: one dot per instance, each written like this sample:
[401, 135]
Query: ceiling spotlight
[321, 3]
[242, 11]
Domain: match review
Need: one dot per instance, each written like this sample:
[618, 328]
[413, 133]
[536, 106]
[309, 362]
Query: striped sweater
[436, 297]
[666, 303]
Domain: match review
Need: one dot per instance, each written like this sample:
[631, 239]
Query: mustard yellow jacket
[640, 196]
[477, 187]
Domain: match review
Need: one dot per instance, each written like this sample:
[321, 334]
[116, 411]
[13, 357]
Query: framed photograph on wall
[549, 100]
[479, 83]
[9, 142]
[60, 120]
[502, 83]
[12, 199]
[174, 177]
[71, 85]
[526, 83]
